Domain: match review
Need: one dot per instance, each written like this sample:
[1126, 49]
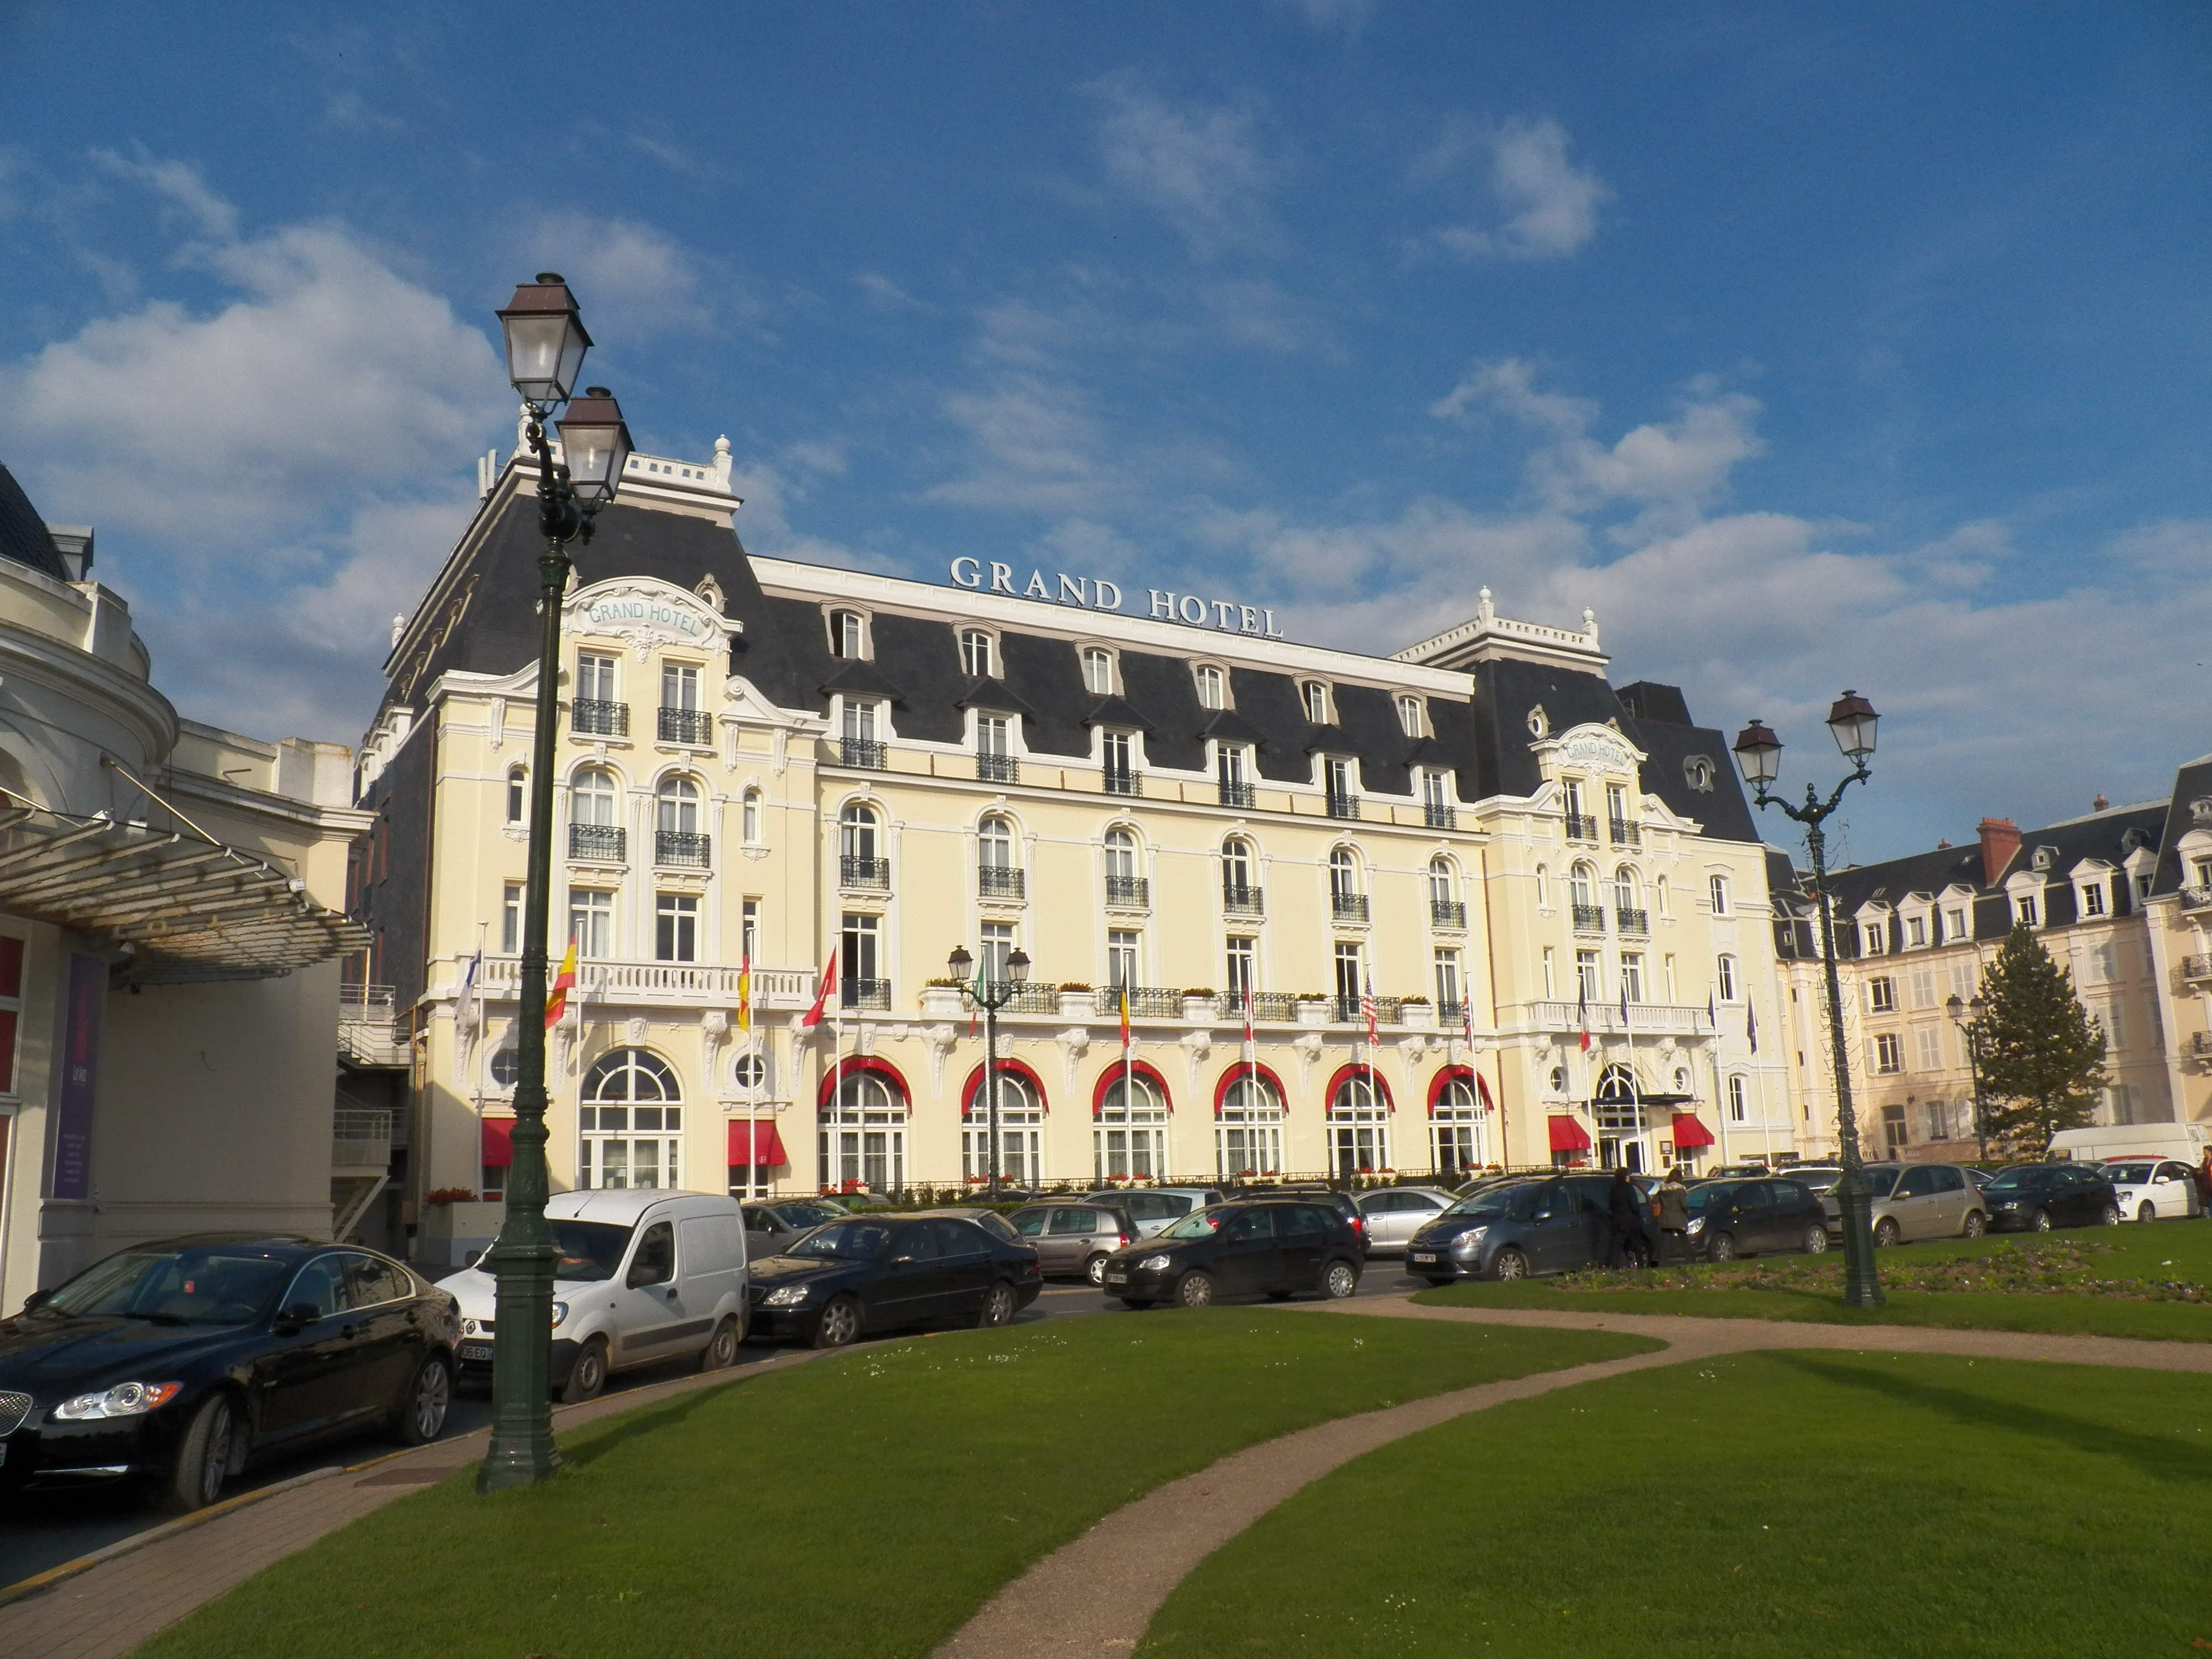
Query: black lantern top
[1758, 754]
[595, 446]
[545, 340]
[959, 962]
[1018, 966]
[1852, 719]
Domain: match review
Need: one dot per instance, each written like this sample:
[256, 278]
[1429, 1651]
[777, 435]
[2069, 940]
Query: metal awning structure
[180, 908]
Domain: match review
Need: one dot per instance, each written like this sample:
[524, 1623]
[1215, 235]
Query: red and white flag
[1251, 1051]
[821, 993]
[1367, 1009]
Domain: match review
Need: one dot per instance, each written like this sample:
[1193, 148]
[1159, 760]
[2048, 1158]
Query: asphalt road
[48, 1528]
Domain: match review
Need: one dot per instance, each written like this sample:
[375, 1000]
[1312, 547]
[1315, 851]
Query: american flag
[1367, 1009]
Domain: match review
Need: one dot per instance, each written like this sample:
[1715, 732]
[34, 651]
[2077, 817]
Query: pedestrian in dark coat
[1627, 1245]
[1673, 1214]
[2203, 1177]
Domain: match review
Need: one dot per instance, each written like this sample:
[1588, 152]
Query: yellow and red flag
[557, 999]
[745, 993]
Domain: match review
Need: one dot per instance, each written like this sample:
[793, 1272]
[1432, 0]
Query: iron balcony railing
[1588, 918]
[2199, 1046]
[1129, 892]
[681, 849]
[590, 717]
[2196, 967]
[608, 842]
[1438, 817]
[1581, 826]
[1447, 913]
[1625, 833]
[1350, 1010]
[1244, 900]
[686, 726]
[1343, 806]
[1266, 1004]
[1012, 999]
[998, 881]
[1121, 782]
[864, 872]
[1348, 907]
[1452, 1015]
[1233, 791]
[866, 753]
[998, 768]
[865, 992]
[2196, 898]
[1632, 920]
[1145, 1002]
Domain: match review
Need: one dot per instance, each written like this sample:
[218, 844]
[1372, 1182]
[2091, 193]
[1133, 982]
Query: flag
[1712, 1013]
[975, 991]
[1751, 1025]
[1482, 1093]
[1467, 1021]
[1250, 1047]
[1624, 1004]
[556, 1000]
[465, 1006]
[1125, 1021]
[1581, 1008]
[821, 993]
[745, 992]
[1367, 1008]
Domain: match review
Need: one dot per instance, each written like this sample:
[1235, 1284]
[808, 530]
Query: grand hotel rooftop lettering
[1097, 594]
[611, 611]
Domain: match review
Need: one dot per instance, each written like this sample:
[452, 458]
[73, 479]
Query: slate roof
[24, 537]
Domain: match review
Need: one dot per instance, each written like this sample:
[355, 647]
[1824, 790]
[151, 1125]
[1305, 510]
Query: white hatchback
[644, 1277]
[2151, 1189]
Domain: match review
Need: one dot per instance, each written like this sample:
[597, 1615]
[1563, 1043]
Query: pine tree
[2042, 1056]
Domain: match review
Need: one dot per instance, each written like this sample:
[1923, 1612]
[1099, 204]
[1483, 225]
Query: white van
[644, 1277]
[2183, 1142]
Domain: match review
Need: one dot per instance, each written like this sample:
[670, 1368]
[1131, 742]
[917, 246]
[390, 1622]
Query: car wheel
[1095, 1269]
[1508, 1264]
[1976, 1225]
[2148, 1213]
[1722, 1249]
[2109, 1216]
[1887, 1232]
[1194, 1290]
[998, 1306]
[1340, 1280]
[2039, 1222]
[203, 1458]
[1816, 1239]
[1136, 1303]
[838, 1323]
[721, 1349]
[418, 1416]
[588, 1374]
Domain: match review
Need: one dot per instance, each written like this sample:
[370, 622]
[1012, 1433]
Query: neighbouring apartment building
[1475, 905]
[169, 940]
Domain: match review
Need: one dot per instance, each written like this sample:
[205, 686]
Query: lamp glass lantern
[595, 446]
[959, 962]
[1852, 719]
[1018, 966]
[545, 340]
[1758, 754]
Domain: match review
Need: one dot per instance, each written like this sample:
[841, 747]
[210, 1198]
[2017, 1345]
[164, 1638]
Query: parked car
[771, 1223]
[1074, 1238]
[1394, 1214]
[2133, 1143]
[1746, 1171]
[1153, 1207]
[185, 1361]
[644, 1277]
[2149, 1189]
[1880, 1178]
[1927, 1201]
[878, 1272]
[2037, 1197]
[1318, 1192]
[1511, 1230]
[1730, 1219]
[1275, 1247]
[989, 1220]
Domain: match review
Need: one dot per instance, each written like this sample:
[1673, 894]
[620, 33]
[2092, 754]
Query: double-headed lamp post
[545, 347]
[1758, 755]
[993, 994]
[1971, 1029]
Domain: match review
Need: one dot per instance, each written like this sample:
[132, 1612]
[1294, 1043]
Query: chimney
[1999, 840]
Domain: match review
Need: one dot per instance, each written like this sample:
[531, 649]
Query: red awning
[756, 1144]
[1688, 1131]
[498, 1143]
[1567, 1136]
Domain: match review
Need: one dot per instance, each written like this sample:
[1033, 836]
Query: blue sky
[1809, 347]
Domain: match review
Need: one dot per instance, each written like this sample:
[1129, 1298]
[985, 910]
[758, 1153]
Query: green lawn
[2133, 1260]
[860, 1506]
[1762, 1506]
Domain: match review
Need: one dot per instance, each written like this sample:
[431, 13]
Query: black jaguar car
[1270, 1246]
[880, 1272]
[182, 1362]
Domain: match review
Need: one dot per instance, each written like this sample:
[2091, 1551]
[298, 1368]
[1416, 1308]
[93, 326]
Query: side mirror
[298, 1317]
[37, 1299]
[902, 1262]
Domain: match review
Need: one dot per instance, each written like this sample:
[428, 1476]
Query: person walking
[1673, 1214]
[2203, 1176]
[1623, 1244]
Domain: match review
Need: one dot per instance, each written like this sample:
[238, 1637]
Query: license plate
[1117, 1278]
[476, 1351]
[1418, 1257]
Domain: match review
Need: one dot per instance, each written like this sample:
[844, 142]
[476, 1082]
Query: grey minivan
[1074, 1239]
[1512, 1231]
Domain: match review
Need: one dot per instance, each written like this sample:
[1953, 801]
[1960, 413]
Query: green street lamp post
[1972, 1031]
[545, 347]
[1758, 756]
[993, 994]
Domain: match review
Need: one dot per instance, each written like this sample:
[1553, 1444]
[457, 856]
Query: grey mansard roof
[24, 537]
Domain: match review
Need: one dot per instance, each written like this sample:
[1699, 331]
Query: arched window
[1582, 886]
[1237, 865]
[1739, 1105]
[517, 794]
[1627, 892]
[1248, 1131]
[976, 652]
[1212, 688]
[676, 805]
[632, 1122]
[1409, 716]
[1440, 881]
[592, 798]
[1021, 1115]
[858, 832]
[863, 1131]
[1130, 1137]
[1316, 701]
[751, 819]
[1359, 1128]
[1616, 1083]
[848, 635]
[1543, 887]
[1121, 855]
[1458, 1137]
[994, 844]
[1725, 974]
[1343, 874]
[1660, 900]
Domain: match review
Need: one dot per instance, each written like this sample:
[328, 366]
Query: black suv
[1276, 1247]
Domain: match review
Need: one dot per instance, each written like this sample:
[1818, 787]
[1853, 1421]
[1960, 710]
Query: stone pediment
[1591, 748]
[646, 613]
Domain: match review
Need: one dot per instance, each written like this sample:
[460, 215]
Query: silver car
[1394, 1214]
[1074, 1240]
[1154, 1207]
[1917, 1201]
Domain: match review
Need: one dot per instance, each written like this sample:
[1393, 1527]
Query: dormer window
[1098, 672]
[1316, 696]
[976, 652]
[1213, 687]
[1877, 938]
[849, 635]
[1409, 716]
[2024, 910]
[1916, 932]
[2093, 898]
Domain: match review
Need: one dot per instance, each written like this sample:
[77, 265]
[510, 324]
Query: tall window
[1098, 673]
[995, 847]
[859, 721]
[1236, 867]
[749, 929]
[1877, 938]
[1021, 1120]
[676, 928]
[1247, 1133]
[2024, 910]
[1212, 688]
[1718, 887]
[591, 921]
[1343, 874]
[1121, 970]
[510, 919]
[1122, 868]
[848, 634]
[517, 794]
[1409, 716]
[1588, 987]
[595, 678]
[1551, 973]
[676, 806]
[1441, 899]
[1359, 1128]
[679, 687]
[1241, 963]
[1632, 976]
[1131, 1133]
[1457, 1140]
[1118, 750]
[632, 1122]
[861, 959]
[1915, 931]
[1543, 887]
[592, 799]
[998, 946]
[1579, 823]
[863, 1133]
[1228, 767]
[751, 817]
[1616, 805]
[1724, 972]
[1316, 696]
[1448, 984]
[1738, 1106]
[976, 652]
[1888, 1053]
[1625, 893]
[858, 841]
[1348, 976]
[1660, 899]
[1436, 797]
[1954, 926]
[1881, 995]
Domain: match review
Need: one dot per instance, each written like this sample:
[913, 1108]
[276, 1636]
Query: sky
[1807, 347]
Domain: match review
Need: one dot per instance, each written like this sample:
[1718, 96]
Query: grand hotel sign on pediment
[1591, 749]
[646, 613]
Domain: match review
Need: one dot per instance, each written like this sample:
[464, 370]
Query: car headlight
[1468, 1236]
[124, 1400]
[560, 1312]
[1153, 1264]
[785, 1296]
[1696, 1225]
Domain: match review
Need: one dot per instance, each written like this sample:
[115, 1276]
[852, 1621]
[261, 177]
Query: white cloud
[1544, 206]
[632, 281]
[1200, 169]
[179, 185]
[1035, 445]
[885, 294]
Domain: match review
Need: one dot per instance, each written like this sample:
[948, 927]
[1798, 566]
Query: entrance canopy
[756, 1143]
[1689, 1132]
[1567, 1135]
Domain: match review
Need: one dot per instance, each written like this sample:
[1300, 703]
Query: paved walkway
[105, 1609]
[1059, 1609]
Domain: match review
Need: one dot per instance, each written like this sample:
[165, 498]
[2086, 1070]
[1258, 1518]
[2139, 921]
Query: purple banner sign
[88, 999]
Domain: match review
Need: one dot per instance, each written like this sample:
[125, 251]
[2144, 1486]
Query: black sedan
[882, 1273]
[183, 1362]
[1730, 1219]
[2034, 1198]
[1274, 1247]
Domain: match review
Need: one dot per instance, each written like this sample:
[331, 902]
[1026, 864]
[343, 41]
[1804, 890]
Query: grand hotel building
[1553, 890]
